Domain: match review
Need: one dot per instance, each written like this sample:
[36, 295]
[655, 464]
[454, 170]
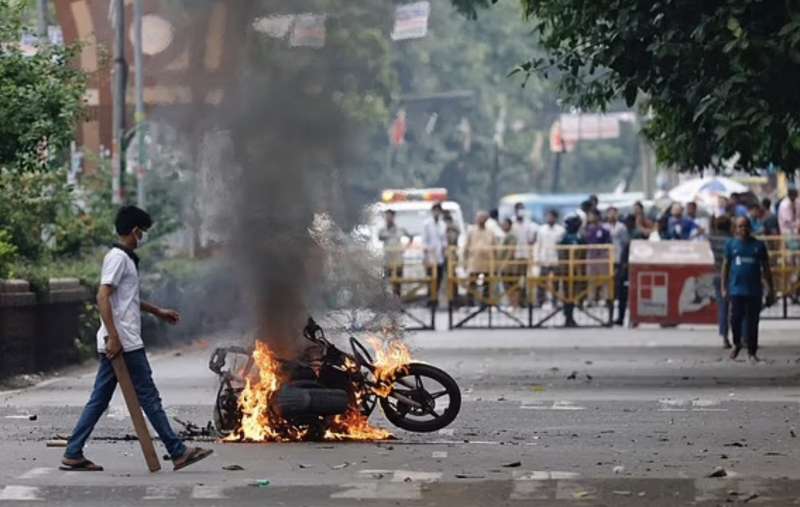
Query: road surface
[550, 417]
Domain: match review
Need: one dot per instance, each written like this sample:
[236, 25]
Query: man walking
[746, 263]
[120, 333]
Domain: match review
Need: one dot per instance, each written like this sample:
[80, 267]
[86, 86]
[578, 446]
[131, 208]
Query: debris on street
[513, 464]
[233, 468]
[718, 472]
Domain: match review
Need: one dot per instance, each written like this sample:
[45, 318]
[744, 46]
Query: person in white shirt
[548, 236]
[120, 333]
[619, 238]
[434, 243]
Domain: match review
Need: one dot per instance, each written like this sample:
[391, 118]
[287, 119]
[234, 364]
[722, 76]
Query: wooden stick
[139, 424]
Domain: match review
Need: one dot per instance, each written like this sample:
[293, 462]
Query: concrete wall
[37, 333]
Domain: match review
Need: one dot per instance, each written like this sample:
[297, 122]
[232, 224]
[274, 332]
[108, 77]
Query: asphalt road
[646, 417]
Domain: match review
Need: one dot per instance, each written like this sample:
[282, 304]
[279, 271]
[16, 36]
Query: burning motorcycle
[328, 394]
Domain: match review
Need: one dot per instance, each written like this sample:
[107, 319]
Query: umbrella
[705, 190]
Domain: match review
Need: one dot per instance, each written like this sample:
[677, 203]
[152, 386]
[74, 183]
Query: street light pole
[139, 116]
[120, 83]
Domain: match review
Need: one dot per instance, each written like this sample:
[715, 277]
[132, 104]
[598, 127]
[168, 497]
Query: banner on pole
[411, 21]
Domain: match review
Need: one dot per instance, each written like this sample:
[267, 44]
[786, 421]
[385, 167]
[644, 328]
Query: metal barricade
[415, 284]
[784, 259]
[509, 287]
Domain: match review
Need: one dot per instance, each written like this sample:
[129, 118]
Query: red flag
[397, 132]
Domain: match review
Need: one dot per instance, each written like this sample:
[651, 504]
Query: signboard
[411, 21]
[308, 31]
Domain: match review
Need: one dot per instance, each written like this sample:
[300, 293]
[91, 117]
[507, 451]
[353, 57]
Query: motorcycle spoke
[438, 394]
[418, 381]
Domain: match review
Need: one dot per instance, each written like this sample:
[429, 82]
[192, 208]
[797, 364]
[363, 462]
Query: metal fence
[509, 287]
[416, 285]
[784, 259]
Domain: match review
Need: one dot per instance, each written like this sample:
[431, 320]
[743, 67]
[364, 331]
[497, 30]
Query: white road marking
[207, 492]
[21, 494]
[529, 490]
[557, 405]
[382, 490]
[33, 473]
[543, 475]
[160, 493]
[572, 490]
[439, 454]
[447, 432]
[402, 475]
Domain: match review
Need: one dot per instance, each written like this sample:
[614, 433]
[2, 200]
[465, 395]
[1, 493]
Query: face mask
[142, 239]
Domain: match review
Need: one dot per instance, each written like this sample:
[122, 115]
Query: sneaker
[735, 352]
[753, 359]
[726, 344]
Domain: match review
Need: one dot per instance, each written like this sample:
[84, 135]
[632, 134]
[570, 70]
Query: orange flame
[260, 424]
[391, 360]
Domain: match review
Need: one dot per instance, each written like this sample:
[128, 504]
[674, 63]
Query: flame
[260, 424]
[391, 360]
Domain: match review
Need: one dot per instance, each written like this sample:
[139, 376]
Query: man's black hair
[766, 203]
[494, 213]
[389, 212]
[554, 212]
[129, 217]
[436, 206]
[586, 205]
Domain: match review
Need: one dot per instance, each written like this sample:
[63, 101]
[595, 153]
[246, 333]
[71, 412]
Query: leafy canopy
[718, 77]
[41, 97]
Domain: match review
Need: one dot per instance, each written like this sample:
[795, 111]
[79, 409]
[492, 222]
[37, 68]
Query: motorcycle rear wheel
[424, 419]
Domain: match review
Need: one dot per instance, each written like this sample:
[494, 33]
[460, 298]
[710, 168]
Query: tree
[41, 98]
[718, 79]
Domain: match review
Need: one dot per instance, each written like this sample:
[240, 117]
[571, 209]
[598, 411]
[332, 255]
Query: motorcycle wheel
[412, 385]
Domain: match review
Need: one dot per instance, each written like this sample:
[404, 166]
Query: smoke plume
[296, 105]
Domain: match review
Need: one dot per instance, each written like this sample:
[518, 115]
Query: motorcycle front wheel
[436, 395]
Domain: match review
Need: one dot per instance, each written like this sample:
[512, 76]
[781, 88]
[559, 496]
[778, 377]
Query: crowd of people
[514, 246]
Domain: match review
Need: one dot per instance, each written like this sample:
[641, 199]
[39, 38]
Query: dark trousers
[722, 308]
[104, 385]
[621, 288]
[745, 312]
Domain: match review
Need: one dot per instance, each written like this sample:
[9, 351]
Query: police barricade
[508, 287]
[784, 259]
[415, 284]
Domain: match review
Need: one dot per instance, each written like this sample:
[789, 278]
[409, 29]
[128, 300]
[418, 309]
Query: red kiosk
[672, 282]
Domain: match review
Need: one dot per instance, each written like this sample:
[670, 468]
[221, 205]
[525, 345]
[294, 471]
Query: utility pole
[139, 116]
[41, 8]
[120, 83]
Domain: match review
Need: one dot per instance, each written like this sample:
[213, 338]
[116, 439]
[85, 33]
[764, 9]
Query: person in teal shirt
[746, 264]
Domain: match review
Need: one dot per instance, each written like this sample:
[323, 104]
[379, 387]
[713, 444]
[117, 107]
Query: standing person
[789, 215]
[624, 267]
[754, 215]
[721, 234]
[746, 264]
[597, 258]
[120, 333]
[434, 243]
[479, 256]
[548, 237]
[619, 238]
[493, 224]
[700, 224]
[678, 226]
[769, 218]
[508, 266]
[644, 226]
[392, 238]
[567, 256]
[525, 232]
[452, 232]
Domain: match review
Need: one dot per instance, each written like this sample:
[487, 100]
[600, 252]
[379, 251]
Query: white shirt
[434, 240]
[547, 238]
[619, 236]
[526, 235]
[120, 272]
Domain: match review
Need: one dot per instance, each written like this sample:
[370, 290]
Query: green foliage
[8, 253]
[41, 98]
[718, 78]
